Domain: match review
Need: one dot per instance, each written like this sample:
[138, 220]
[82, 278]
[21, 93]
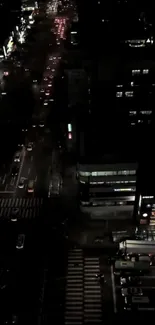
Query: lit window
[86, 174]
[146, 112]
[132, 113]
[126, 172]
[129, 93]
[145, 71]
[124, 189]
[132, 172]
[132, 83]
[135, 72]
[104, 173]
[119, 94]
[119, 86]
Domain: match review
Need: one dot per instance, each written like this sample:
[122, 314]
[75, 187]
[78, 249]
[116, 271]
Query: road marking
[12, 181]
[29, 171]
[21, 166]
[31, 158]
[113, 289]
[4, 178]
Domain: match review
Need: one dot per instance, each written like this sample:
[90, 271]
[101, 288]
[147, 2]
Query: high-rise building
[119, 115]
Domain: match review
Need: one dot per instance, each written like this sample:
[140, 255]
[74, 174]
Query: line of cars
[30, 185]
[16, 167]
[55, 186]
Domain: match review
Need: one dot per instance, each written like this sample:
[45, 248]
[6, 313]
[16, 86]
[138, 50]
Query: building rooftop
[103, 148]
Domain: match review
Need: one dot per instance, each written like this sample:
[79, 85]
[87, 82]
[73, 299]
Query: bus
[129, 266]
[140, 247]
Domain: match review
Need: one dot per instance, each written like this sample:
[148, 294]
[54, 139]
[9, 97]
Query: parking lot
[127, 286]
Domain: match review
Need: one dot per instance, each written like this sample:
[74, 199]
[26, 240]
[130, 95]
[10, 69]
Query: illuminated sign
[69, 127]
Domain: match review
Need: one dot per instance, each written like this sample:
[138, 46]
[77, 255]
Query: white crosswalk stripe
[29, 208]
[92, 291]
[74, 288]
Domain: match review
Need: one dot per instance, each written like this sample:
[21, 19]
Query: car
[21, 183]
[24, 128]
[54, 187]
[21, 141]
[12, 319]
[100, 276]
[30, 187]
[14, 214]
[99, 240]
[20, 241]
[45, 102]
[17, 156]
[15, 171]
[41, 124]
[29, 146]
[132, 291]
[123, 281]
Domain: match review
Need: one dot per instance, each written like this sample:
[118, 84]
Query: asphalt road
[36, 164]
[34, 269]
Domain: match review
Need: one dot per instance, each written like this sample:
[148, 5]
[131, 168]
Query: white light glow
[69, 128]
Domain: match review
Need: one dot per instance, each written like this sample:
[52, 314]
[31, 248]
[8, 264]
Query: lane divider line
[21, 167]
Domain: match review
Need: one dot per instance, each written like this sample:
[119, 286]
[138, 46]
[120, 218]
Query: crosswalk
[83, 300]
[28, 207]
[74, 288]
[92, 291]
